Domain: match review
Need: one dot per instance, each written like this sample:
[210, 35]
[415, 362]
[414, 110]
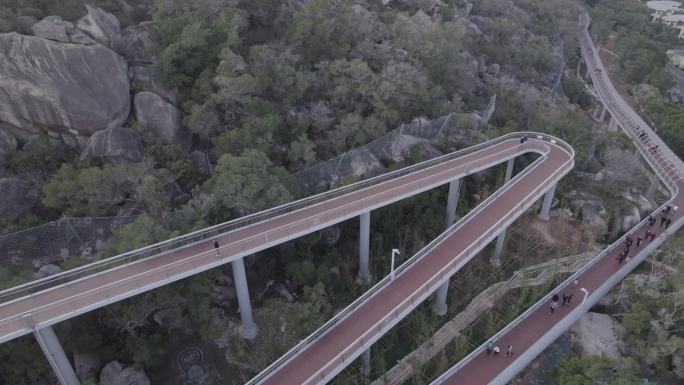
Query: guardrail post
[365, 362]
[49, 343]
[655, 182]
[546, 204]
[248, 329]
[603, 112]
[364, 240]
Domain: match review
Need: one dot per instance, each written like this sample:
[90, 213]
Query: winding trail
[536, 328]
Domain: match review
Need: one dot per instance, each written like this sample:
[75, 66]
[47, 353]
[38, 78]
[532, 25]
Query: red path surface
[311, 365]
[483, 369]
[74, 298]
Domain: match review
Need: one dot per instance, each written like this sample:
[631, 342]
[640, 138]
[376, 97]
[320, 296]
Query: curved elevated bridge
[535, 329]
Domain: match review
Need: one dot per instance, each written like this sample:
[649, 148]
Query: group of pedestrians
[495, 350]
[523, 139]
[650, 233]
[566, 298]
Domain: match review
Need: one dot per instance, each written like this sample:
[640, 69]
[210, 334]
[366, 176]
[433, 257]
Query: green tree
[248, 183]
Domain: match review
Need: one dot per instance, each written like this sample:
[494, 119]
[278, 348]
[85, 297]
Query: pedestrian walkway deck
[535, 329]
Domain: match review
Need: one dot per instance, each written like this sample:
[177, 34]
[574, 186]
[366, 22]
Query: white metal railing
[348, 354]
[217, 230]
[665, 163]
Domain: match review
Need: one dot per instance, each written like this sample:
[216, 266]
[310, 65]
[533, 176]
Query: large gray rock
[100, 25]
[54, 28]
[17, 199]
[115, 373]
[161, 118]
[46, 271]
[8, 143]
[66, 88]
[25, 24]
[115, 145]
[598, 334]
[138, 43]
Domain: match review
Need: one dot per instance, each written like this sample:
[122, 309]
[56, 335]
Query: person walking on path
[667, 223]
[647, 236]
[555, 298]
[628, 241]
[651, 220]
[509, 351]
[565, 299]
[653, 236]
[667, 209]
[496, 350]
[553, 306]
[490, 346]
[569, 297]
[622, 257]
[662, 220]
[638, 241]
[216, 247]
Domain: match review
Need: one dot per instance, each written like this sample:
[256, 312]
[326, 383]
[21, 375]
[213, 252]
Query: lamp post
[394, 251]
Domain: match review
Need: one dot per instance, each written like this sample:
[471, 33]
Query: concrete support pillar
[655, 182]
[248, 329]
[439, 307]
[452, 201]
[546, 204]
[603, 113]
[496, 257]
[509, 170]
[47, 339]
[364, 244]
[498, 249]
[612, 124]
[365, 363]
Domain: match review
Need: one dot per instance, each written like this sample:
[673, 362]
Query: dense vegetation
[271, 87]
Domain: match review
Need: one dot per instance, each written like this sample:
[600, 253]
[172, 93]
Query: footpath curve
[66, 295]
[535, 329]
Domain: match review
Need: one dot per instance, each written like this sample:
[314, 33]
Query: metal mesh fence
[71, 242]
[58, 240]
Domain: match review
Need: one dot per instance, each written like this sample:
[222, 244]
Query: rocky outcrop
[8, 143]
[54, 28]
[161, 118]
[17, 199]
[137, 43]
[100, 25]
[25, 24]
[67, 89]
[114, 145]
[46, 271]
[598, 334]
[115, 373]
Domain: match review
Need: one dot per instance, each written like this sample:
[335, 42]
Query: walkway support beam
[439, 306]
[612, 124]
[364, 247]
[603, 113]
[452, 202]
[49, 343]
[655, 182]
[366, 363]
[498, 249]
[546, 204]
[248, 329]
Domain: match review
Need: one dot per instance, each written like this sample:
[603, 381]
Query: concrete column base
[439, 307]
